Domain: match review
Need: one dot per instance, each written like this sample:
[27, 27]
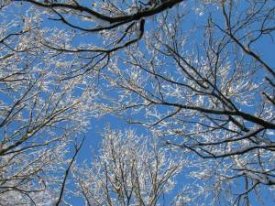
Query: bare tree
[106, 26]
[196, 73]
[206, 86]
[40, 116]
[128, 170]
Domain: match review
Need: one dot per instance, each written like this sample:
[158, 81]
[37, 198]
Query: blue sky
[93, 137]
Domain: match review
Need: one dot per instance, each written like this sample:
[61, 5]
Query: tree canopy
[196, 76]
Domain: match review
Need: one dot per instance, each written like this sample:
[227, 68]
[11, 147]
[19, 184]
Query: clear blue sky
[93, 139]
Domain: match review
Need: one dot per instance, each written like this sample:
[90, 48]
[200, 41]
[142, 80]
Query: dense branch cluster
[130, 170]
[197, 75]
[40, 115]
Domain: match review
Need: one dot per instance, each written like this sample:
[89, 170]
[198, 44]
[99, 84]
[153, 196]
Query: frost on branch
[40, 115]
[206, 85]
[128, 170]
[197, 74]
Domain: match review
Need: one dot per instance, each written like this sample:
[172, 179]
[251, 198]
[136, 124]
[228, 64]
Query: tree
[208, 90]
[114, 24]
[128, 170]
[195, 73]
[39, 113]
